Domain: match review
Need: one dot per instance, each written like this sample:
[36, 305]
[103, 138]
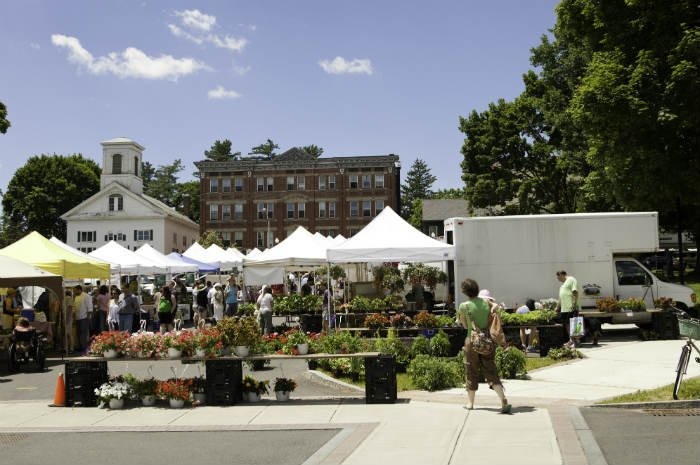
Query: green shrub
[392, 345]
[341, 342]
[425, 320]
[510, 363]
[440, 344]
[564, 353]
[433, 373]
[446, 321]
[420, 346]
[533, 318]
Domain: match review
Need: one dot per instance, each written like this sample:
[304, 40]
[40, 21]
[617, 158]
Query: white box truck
[516, 257]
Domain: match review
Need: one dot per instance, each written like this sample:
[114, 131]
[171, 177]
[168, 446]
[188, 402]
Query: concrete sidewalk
[544, 427]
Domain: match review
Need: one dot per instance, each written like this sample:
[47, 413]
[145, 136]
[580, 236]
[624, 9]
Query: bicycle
[684, 359]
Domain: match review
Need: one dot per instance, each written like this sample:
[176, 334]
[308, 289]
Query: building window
[290, 183]
[86, 249]
[354, 231]
[366, 208]
[378, 206]
[331, 181]
[143, 234]
[184, 241]
[322, 183]
[214, 185]
[353, 181]
[116, 202]
[301, 208]
[366, 181]
[226, 212]
[331, 209]
[87, 236]
[226, 238]
[321, 209]
[175, 238]
[260, 182]
[433, 231]
[238, 238]
[265, 207]
[290, 210]
[226, 185]
[270, 183]
[238, 211]
[301, 183]
[115, 237]
[117, 163]
[379, 181]
[238, 183]
[260, 239]
[213, 212]
[354, 208]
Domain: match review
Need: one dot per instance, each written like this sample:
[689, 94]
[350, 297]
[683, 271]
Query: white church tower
[121, 163]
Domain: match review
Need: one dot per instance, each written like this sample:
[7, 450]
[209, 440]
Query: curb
[670, 404]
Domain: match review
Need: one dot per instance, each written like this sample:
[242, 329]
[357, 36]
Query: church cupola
[121, 163]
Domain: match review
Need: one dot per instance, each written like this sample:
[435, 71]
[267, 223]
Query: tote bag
[576, 327]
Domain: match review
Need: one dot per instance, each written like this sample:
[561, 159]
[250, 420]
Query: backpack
[165, 306]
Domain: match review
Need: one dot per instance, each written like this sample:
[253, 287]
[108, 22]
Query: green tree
[416, 218]
[450, 194]
[221, 151]
[191, 189]
[267, 149]
[148, 172]
[314, 150]
[4, 122]
[417, 186]
[46, 187]
[162, 185]
[209, 238]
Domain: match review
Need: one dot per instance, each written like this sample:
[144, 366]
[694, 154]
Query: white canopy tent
[171, 265]
[199, 253]
[124, 261]
[389, 238]
[227, 259]
[300, 249]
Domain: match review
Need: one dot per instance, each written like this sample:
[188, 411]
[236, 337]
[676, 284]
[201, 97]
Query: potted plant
[144, 389]
[297, 342]
[178, 343]
[607, 305]
[245, 334]
[401, 320]
[176, 391]
[283, 387]
[253, 388]
[207, 342]
[143, 345]
[109, 344]
[199, 386]
[114, 392]
[376, 321]
[633, 304]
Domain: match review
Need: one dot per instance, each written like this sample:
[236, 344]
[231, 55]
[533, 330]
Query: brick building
[255, 202]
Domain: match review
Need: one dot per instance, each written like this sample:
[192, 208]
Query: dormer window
[116, 202]
[117, 163]
[136, 166]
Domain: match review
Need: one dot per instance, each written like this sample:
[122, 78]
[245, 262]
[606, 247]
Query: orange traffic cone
[59, 398]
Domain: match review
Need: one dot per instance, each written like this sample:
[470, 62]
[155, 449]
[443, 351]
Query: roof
[123, 141]
[439, 210]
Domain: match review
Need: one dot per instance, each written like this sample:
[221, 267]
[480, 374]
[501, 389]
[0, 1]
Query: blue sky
[354, 77]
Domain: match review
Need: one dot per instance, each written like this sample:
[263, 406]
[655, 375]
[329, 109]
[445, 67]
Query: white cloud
[220, 93]
[228, 42]
[178, 32]
[195, 19]
[131, 63]
[340, 65]
[241, 70]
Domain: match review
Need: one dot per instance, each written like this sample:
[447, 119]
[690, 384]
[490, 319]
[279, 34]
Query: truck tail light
[693, 297]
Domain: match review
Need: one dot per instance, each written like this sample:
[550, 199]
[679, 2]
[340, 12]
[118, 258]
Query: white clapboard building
[120, 211]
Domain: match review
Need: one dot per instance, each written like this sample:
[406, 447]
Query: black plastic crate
[224, 371]
[665, 325]
[82, 378]
[227, 394]
[380, 393]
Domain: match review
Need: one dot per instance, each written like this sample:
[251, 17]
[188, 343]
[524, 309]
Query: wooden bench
[224, 376]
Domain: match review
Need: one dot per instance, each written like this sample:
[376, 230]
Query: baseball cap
[485, 294]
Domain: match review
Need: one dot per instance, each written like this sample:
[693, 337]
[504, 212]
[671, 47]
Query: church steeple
[121, 162]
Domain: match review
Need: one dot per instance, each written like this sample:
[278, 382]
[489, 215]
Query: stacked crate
[380, 379]
[224, 382]
[82, 378]
[665, 325]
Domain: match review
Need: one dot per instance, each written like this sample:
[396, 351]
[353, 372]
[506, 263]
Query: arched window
[116, 202]
[136, 166]
[117, 163]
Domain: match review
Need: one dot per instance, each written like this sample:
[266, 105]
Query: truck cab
[634, 280]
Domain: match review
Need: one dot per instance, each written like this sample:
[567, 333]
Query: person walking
[218, 302]
[166, 305]
[101, 309]
[231, 296]
[129, 308]
[264, 304]
[479, 312]
[567, 307]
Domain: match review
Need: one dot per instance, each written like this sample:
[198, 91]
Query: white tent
[232, 252]
[388, 238]
[215, 257]
[171, 265]
[124, 261]
[301, 249]
[226, 259]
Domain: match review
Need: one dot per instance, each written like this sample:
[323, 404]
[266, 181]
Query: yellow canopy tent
[37, 250]
[40, 252]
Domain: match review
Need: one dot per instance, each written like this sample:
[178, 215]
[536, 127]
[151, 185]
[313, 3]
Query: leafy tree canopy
[4, 122]
[417, 186]
[209, 238]
[221, 151]
[46, 187]
[314, 150]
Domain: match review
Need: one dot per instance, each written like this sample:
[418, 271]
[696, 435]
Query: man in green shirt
[568, 302]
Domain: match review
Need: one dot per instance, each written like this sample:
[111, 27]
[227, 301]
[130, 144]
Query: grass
[690, 390]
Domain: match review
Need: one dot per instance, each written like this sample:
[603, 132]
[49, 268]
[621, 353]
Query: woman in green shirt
[478, 309]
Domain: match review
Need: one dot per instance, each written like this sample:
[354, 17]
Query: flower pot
[200, 397]
[174, 353]
[253, 396]
[176, 403]
[110, 353]
[303, 349]
[149, 400]
[282, 396]
[200, 352]
[116, 404]
[241, 351]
